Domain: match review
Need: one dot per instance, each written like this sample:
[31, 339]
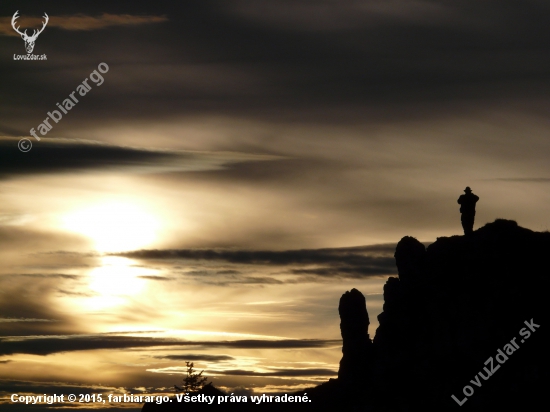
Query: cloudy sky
[234, 166]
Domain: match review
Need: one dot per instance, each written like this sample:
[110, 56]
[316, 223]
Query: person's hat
[467, 190]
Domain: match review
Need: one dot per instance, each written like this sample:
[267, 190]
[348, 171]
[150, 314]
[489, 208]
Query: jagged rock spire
[356, 349]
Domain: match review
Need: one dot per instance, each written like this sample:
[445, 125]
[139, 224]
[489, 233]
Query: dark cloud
[68, 253]
[243, 280]
[73, 293]
[48, 275]
[132, 332]
[49, 345]
[352, 272]
[78, 22]
[30, 281]
[19, 386]
[276, 373]
[318, 61]
[356, 262]
[26, 303]
[161, 278]
[230, 277]
[227, 272]
[62, 155]
[11, 320]
[58, 156]
[195, 357]
[360, 256]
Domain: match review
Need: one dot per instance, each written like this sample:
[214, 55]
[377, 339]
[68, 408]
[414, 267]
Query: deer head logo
[29, 40]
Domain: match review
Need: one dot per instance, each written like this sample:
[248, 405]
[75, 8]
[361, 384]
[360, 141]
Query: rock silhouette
[357, 346]
[453, 307]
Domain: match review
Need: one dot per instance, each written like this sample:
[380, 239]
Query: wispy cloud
[10, 320]
[523, 179]
[78, 22]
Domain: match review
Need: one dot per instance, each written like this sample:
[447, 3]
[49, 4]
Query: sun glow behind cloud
[115, 279]
[114, 226]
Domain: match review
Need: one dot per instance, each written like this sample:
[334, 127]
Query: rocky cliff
[453, 307]
[463, 327]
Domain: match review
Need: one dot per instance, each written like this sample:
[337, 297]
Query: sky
[233, 167]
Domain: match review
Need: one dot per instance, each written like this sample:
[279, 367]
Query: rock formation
[356, 348]
[452, 307]
[410, 258]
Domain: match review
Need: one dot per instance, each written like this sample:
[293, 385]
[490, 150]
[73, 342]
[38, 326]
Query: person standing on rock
[467, 204]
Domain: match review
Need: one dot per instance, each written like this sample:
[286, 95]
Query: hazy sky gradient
[243, 164]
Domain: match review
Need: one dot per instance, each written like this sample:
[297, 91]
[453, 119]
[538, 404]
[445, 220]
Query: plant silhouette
[194, 381]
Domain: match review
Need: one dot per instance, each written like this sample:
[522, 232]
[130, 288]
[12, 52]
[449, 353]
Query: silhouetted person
[468, 209]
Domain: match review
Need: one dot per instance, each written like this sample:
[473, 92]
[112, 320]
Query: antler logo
[29, 40]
